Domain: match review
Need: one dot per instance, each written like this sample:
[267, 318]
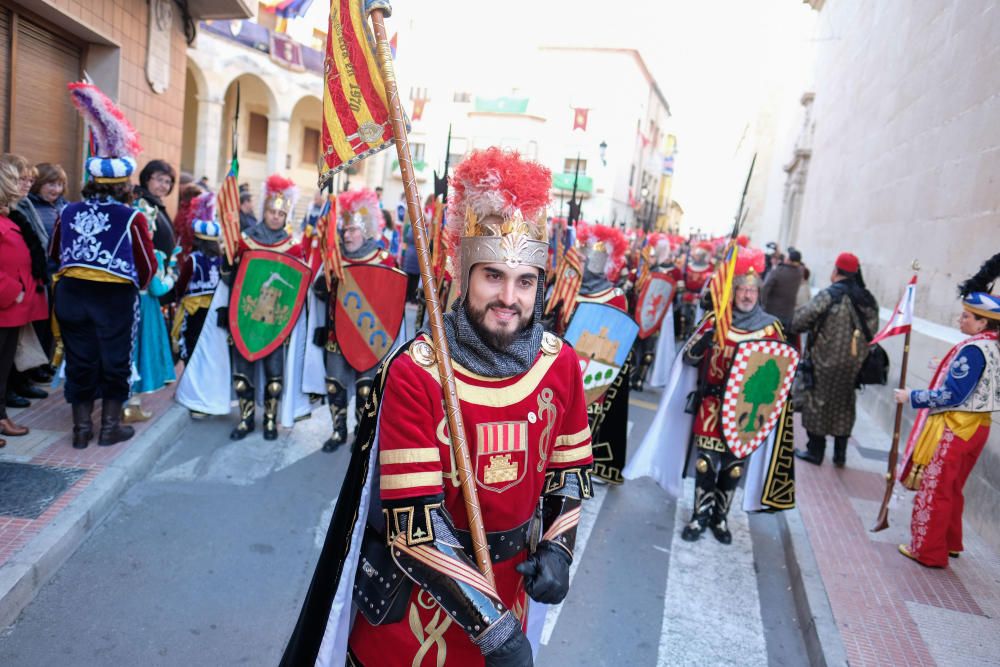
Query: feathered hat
[203, 221]
[280, 194]
[496, 211]
[749, 266]
[359, 208]
[603, 246]
[115, 141]
[976, 292]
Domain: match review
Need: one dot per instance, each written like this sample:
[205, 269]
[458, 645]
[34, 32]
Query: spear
[456, 426]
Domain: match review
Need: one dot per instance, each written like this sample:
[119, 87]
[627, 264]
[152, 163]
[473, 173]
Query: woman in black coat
[156, 182]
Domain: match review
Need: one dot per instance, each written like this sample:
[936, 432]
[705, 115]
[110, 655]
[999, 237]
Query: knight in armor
[105, 253]
[361, 224]
[717, 469]
[522, 399]
[604, 249]
[199, 275]
[695, 274]
[644, 352]
[271, 233]
[953, 424]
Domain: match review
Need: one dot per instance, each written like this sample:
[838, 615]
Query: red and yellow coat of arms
[501, 454]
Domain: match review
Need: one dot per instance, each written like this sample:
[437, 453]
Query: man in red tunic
[717, 469]
[522, 400]
[361, 225]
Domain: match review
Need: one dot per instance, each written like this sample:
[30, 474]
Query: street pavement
[180, 547]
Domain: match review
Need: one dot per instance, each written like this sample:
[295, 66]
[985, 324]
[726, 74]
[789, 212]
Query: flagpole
[463, 461]
[882, 522]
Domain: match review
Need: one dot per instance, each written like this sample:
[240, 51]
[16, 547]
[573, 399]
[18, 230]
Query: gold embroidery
[712, 416]
[571, 455]
[435, 630]
[500, 469]
[573, 439]
[410, 480]
[408, 455]
[551, 343]
[547, 413]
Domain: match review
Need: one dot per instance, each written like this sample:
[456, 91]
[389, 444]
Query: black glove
[320, 289]
[703, 343]
[320, 336]
[515, 652]
[222, 318]
[546, 573]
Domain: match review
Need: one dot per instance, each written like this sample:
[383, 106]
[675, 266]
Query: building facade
[896, 159]
[133, 49]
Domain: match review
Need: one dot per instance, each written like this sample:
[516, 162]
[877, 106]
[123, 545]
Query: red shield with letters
[501, 454]
[368, 313]
[653, 302]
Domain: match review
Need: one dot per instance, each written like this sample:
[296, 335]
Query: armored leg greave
[639, 379]
[706, 472]
[272, 396]
[245, 394]
[729, 479]
[336, 399]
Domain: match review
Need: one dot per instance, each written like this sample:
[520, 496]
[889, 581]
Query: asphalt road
[205, 563]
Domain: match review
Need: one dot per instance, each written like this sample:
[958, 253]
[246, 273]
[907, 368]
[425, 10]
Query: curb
[30, 569]
[824, 645]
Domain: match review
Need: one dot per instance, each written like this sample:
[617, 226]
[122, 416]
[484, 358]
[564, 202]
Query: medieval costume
[279, 201]
[688, 426]
[659, 261]
[840, 320]
[953, 424]
[530, 447]
[199, 275]
[359, 216]
[603, 251]
[105, 253]
[154, 363]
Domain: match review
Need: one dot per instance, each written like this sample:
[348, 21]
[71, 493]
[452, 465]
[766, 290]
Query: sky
[716, 62]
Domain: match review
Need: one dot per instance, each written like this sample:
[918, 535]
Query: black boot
[728, 480]
[703, 502]
[272, 394]
[14, 400]
[83, 425]
[245, 394]
[112, 431]
[815, 448]
[336, 400]
[840, 450]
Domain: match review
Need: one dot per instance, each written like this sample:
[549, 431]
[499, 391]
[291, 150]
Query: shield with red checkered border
[368, 313]
[756, 390]
[653, 302]
[501, 454]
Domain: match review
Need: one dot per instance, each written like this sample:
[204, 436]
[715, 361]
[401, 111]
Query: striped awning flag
[902, 318]
[355, 109]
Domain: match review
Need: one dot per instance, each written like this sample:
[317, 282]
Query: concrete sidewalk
[53, 495]
[888, 609]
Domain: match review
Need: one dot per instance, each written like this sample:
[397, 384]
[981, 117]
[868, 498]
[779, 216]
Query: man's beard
[498, 340]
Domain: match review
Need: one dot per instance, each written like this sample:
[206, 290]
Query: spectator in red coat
[22, 286]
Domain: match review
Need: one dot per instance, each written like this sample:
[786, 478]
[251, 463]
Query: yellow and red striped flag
[229, 211]
[333, 266]
[355, 109]
[569, 275]
[721, 289]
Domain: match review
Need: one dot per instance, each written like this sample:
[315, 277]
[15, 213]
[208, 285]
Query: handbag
[381, 590]
[29, 353]
[875, 368]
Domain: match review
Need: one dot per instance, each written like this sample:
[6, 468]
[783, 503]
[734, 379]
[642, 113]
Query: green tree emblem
[759, 390]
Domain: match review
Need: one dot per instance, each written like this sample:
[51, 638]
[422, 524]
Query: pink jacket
[15, 277]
